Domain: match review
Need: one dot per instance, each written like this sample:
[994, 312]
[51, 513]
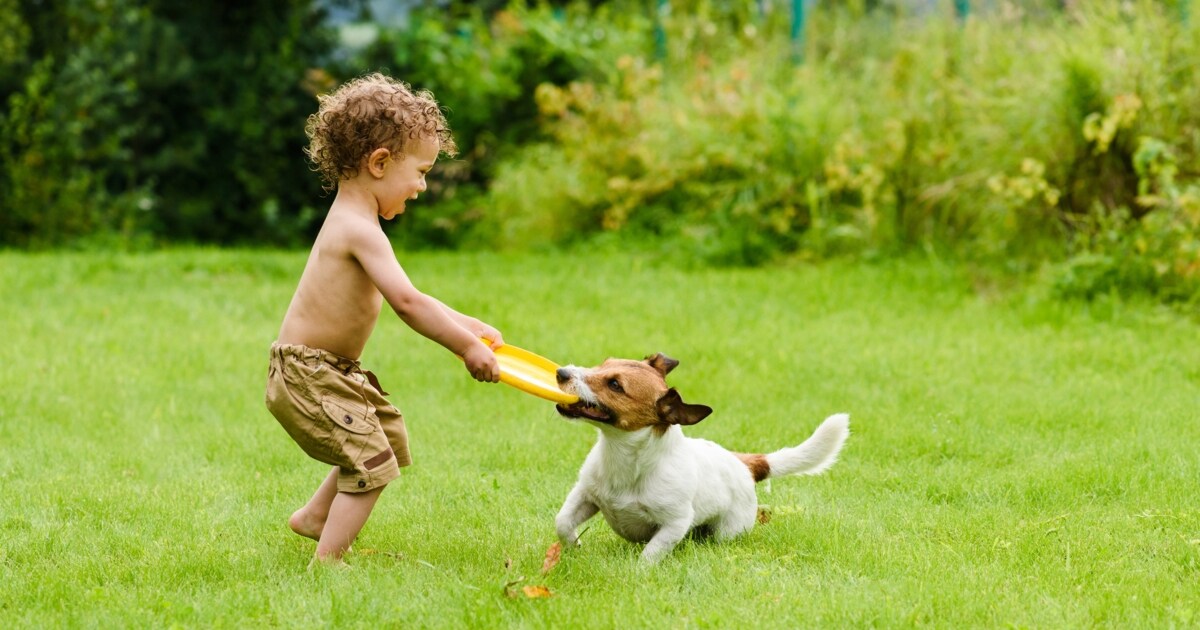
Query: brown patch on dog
[759, 468]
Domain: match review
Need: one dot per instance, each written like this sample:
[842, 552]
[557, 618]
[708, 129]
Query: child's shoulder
[350, 228]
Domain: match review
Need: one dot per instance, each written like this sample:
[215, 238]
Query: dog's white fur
[653, 484]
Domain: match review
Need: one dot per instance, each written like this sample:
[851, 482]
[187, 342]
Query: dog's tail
[814, 456]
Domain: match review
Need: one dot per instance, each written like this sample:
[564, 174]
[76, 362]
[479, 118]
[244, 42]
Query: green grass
[1013, 462]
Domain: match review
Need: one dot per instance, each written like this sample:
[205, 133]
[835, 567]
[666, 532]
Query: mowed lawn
[1014, 462]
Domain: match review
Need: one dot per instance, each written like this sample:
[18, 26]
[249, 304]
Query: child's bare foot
[329, 561]
[306, 524]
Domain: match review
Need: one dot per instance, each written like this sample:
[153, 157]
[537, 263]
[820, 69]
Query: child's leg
[309, 520]
[347, 515]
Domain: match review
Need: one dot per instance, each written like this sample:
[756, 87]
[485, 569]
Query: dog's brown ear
[672, 409]
[661, 362]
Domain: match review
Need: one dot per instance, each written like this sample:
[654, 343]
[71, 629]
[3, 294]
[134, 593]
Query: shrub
[484, 68]
[66, 140]
[181, 121]
[1012, 138]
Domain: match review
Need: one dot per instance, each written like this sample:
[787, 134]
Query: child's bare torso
[336, 305]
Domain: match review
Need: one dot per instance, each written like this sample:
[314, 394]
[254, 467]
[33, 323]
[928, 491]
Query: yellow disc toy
[531, 374]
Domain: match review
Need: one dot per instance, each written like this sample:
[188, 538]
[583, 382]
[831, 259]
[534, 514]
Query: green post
[962, 8]
[660, 33]
[798, 30]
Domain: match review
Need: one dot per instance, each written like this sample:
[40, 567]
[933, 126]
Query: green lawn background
[1014, 461]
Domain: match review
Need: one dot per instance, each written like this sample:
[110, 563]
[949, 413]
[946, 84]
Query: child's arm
[479, 328]
[422, 313]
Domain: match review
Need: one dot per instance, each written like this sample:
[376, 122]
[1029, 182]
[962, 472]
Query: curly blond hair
[371, 112]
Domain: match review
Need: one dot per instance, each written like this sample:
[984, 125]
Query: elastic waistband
[309, 355]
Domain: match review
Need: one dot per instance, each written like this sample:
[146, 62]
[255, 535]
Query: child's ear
[377, 162]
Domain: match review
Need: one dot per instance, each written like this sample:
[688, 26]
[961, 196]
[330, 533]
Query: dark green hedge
[180, 121]
[127, 122]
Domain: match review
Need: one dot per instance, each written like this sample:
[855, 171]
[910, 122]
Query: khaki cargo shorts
[337, 413]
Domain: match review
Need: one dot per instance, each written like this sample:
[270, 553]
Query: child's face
[404, 177]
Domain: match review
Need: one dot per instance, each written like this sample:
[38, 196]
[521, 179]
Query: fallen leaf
[764, 515]
[552, 556]
[509, 591]
[534, 592]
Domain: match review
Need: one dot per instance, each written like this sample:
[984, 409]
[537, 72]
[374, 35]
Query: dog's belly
[631, 521]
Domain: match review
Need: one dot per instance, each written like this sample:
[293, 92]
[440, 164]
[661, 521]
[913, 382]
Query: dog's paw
[652, 556]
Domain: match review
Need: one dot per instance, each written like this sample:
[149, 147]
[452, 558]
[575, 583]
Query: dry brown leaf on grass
[534, 592]
[510, 588]
[764, 515]
[552, 556]
[529, 591]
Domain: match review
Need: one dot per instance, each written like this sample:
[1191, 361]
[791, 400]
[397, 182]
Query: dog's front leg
[575, 510]
[667, 536]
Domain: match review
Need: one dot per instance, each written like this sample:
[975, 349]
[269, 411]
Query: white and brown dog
[651, 482]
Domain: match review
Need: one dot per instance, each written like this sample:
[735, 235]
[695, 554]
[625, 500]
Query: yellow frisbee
[531, 374]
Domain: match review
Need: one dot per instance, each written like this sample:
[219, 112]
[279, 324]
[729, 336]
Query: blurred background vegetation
[1054, 136]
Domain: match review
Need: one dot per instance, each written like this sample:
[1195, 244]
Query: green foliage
[741, 156]
[67, 137]
[1024, 136]
[1012, 138]
[1158, 254]
[484, 68]
[14, 40]
[233, 169]
[180, 121]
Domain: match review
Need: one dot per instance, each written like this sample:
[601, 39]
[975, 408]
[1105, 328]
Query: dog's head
[627, 395]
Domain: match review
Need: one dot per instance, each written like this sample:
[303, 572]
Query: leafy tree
[183, 121]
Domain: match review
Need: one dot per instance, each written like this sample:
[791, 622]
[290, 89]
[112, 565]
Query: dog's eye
[615, 385]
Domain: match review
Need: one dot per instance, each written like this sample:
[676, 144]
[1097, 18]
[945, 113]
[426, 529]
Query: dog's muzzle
[585, 411]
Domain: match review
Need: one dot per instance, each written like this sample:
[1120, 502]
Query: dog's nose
[563, 375]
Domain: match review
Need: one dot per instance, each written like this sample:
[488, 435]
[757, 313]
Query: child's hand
[495, 340]
[482, 364]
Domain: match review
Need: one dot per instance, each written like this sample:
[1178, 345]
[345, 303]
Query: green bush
[1023, 137]
[135, 120]
[484, 68]
[1156, 254]
[66, 138]
[1013, 138]
[142, 119]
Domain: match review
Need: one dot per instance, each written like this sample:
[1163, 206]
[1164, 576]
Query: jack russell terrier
[651, 482]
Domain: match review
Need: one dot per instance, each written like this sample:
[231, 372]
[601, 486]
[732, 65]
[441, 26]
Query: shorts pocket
[348, 414]
[304, 374]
